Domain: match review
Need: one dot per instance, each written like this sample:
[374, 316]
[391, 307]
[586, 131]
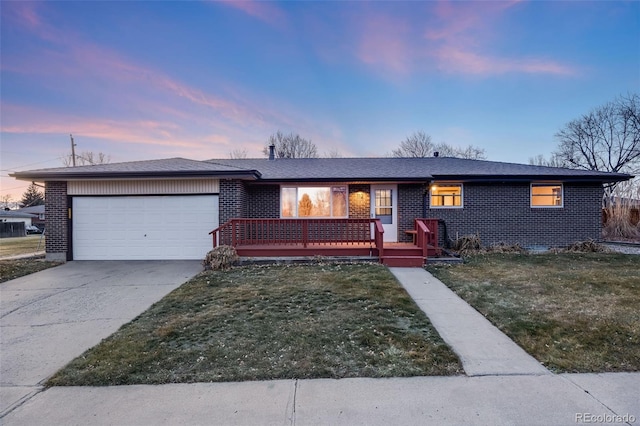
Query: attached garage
[142, 220]
[143, 227]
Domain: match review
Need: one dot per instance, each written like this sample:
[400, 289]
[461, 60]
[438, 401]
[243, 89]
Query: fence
[12, 229]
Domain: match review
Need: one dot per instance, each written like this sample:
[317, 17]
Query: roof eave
[228, 174]
[530, 178]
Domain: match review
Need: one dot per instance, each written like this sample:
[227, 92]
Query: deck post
[305, 233]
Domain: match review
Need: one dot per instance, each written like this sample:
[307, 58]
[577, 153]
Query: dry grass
[276, 322]
[11, 269]
[573, 312]
[21, 245]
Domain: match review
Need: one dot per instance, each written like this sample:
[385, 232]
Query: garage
[155, 227]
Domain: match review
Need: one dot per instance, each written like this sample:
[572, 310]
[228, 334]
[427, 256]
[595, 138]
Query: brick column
[56, 221]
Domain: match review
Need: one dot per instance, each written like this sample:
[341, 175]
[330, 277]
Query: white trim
[460, 184]
[390, 229]
[550, 206]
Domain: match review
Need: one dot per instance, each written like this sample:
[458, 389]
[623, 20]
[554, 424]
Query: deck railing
[427, 234]
[244, 232]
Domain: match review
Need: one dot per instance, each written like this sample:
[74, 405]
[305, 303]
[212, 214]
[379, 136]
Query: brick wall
[263, 201]
[502, 213]
[359, 201]
[232, 199]
[410, 206]
[56, 221]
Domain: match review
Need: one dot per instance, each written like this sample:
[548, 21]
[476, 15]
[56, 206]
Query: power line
[14, 169]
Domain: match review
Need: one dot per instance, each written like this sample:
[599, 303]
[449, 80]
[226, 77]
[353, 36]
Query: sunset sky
[198, 79]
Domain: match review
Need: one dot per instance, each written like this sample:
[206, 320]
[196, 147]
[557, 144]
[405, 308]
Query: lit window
[313, 201]
[446, 195]
[546, 195]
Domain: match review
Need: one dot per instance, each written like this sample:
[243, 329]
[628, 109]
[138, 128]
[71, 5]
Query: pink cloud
[450, 37]
[458, 61]
[383, 43]
[262, 10]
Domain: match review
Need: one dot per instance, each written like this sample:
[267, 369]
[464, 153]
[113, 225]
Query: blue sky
[198, 79]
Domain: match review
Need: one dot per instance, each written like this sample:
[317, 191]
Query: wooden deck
[325, 237]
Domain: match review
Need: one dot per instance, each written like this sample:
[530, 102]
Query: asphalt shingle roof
[326, 169]
[408, 169]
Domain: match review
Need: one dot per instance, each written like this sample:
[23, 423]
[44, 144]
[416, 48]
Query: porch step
[403, 261]
[403, 251]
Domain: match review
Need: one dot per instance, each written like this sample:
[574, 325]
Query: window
[546, 195]
[446, 195]
[313, 201]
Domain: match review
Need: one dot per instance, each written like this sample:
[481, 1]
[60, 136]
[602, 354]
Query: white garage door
[143, 227]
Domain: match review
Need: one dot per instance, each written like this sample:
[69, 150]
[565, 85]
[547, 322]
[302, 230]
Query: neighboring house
[165, 209]
[16, 216]
[39, 215]
[14, 223]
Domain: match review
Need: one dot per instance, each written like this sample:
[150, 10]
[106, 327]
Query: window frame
[441, 184]
[546, 206]
[315, 185]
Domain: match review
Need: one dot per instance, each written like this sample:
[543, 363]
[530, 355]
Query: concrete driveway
[50, 317]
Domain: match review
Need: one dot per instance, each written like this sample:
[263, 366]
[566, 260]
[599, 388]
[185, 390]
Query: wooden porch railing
[427, 234]
[246, 232]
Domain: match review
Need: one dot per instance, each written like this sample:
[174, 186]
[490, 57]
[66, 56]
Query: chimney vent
[436, 154]
[272, 152]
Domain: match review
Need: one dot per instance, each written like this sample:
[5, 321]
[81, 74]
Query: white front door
[384, 206]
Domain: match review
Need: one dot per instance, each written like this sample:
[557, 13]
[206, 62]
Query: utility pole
[73, 151]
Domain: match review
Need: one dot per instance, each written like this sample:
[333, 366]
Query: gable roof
[325, 169]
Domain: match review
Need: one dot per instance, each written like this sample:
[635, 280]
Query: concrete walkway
[50, 317]
[482, 348]
[503, 386]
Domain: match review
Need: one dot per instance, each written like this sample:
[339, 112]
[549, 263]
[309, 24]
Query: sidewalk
[481, 347]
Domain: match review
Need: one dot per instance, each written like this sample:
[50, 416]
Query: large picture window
[313, 201]
[446, 195]
[546, 195]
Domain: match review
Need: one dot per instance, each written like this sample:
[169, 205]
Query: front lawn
[572, 312]
[272, 322]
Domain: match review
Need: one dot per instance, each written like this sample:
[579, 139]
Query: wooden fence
[12, 229]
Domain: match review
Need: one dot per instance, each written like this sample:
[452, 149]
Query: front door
[384, 206]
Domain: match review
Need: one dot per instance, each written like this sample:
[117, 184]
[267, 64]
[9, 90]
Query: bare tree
[552, 161]
[290, 146]
[6, 201]
[471, 152]
[419, 145]
[239, 153]
[87, 158]
[605, 139]
[334, 153]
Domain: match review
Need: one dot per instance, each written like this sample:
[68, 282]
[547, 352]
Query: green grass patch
[572, 312]
[275, 322]
[11, 269]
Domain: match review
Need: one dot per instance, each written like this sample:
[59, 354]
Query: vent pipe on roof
[436, 154]
[272, 152]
